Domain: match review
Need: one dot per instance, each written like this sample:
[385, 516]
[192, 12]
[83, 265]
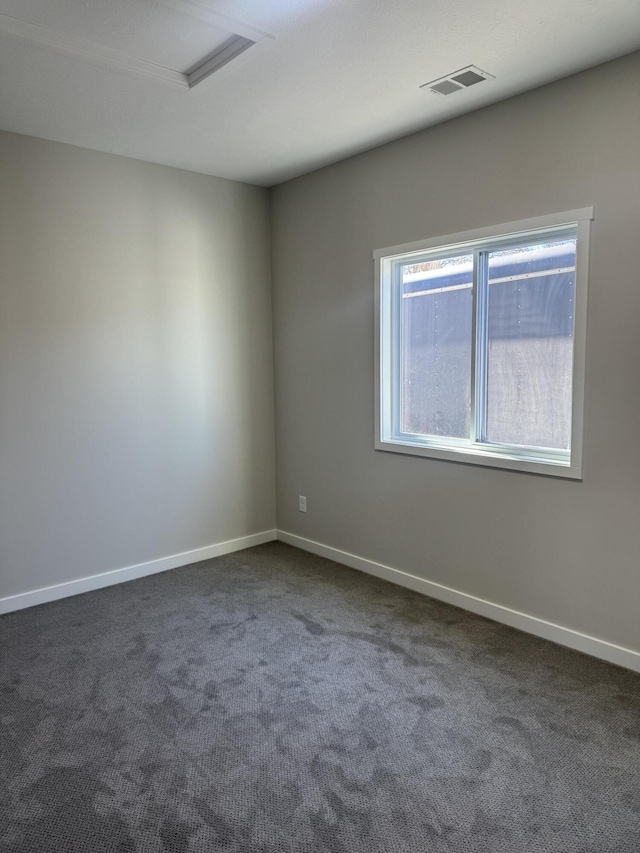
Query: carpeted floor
[271, 701]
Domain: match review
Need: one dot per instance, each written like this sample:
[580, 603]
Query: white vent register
[464, 78]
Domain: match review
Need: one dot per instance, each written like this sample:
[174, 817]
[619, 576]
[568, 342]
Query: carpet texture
[271, 701]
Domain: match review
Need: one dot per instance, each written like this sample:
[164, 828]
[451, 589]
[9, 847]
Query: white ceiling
[326, 79]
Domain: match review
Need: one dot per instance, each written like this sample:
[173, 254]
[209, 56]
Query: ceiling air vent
[461, 79]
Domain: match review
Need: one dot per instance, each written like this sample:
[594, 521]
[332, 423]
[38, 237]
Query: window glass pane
[530, 350]
[435, 358]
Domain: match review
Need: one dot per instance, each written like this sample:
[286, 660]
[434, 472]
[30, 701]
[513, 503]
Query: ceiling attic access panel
[181, 37]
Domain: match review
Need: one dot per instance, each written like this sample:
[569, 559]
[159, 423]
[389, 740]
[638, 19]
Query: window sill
[485, 457]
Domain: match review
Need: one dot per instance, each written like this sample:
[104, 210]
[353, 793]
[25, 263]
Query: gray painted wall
[568, 552]
[136, 389]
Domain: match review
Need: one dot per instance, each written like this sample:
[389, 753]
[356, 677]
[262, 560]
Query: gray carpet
[271, 701]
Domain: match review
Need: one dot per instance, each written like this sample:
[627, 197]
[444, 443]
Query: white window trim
[487, 455]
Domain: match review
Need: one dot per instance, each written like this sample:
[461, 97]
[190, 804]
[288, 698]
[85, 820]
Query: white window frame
[549, 462]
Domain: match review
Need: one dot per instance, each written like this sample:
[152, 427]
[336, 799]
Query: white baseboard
[62, 590]
[602, 649]
[499, 613]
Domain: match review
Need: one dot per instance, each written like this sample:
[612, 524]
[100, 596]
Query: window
[480, 345]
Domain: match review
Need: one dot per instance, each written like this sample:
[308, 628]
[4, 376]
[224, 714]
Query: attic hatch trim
[456, 81]
[94, 52]
[233, 47]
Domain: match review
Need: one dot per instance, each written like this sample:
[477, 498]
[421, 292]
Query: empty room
[319, 419]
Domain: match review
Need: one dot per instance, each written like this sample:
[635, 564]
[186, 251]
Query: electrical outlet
[302, 503]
